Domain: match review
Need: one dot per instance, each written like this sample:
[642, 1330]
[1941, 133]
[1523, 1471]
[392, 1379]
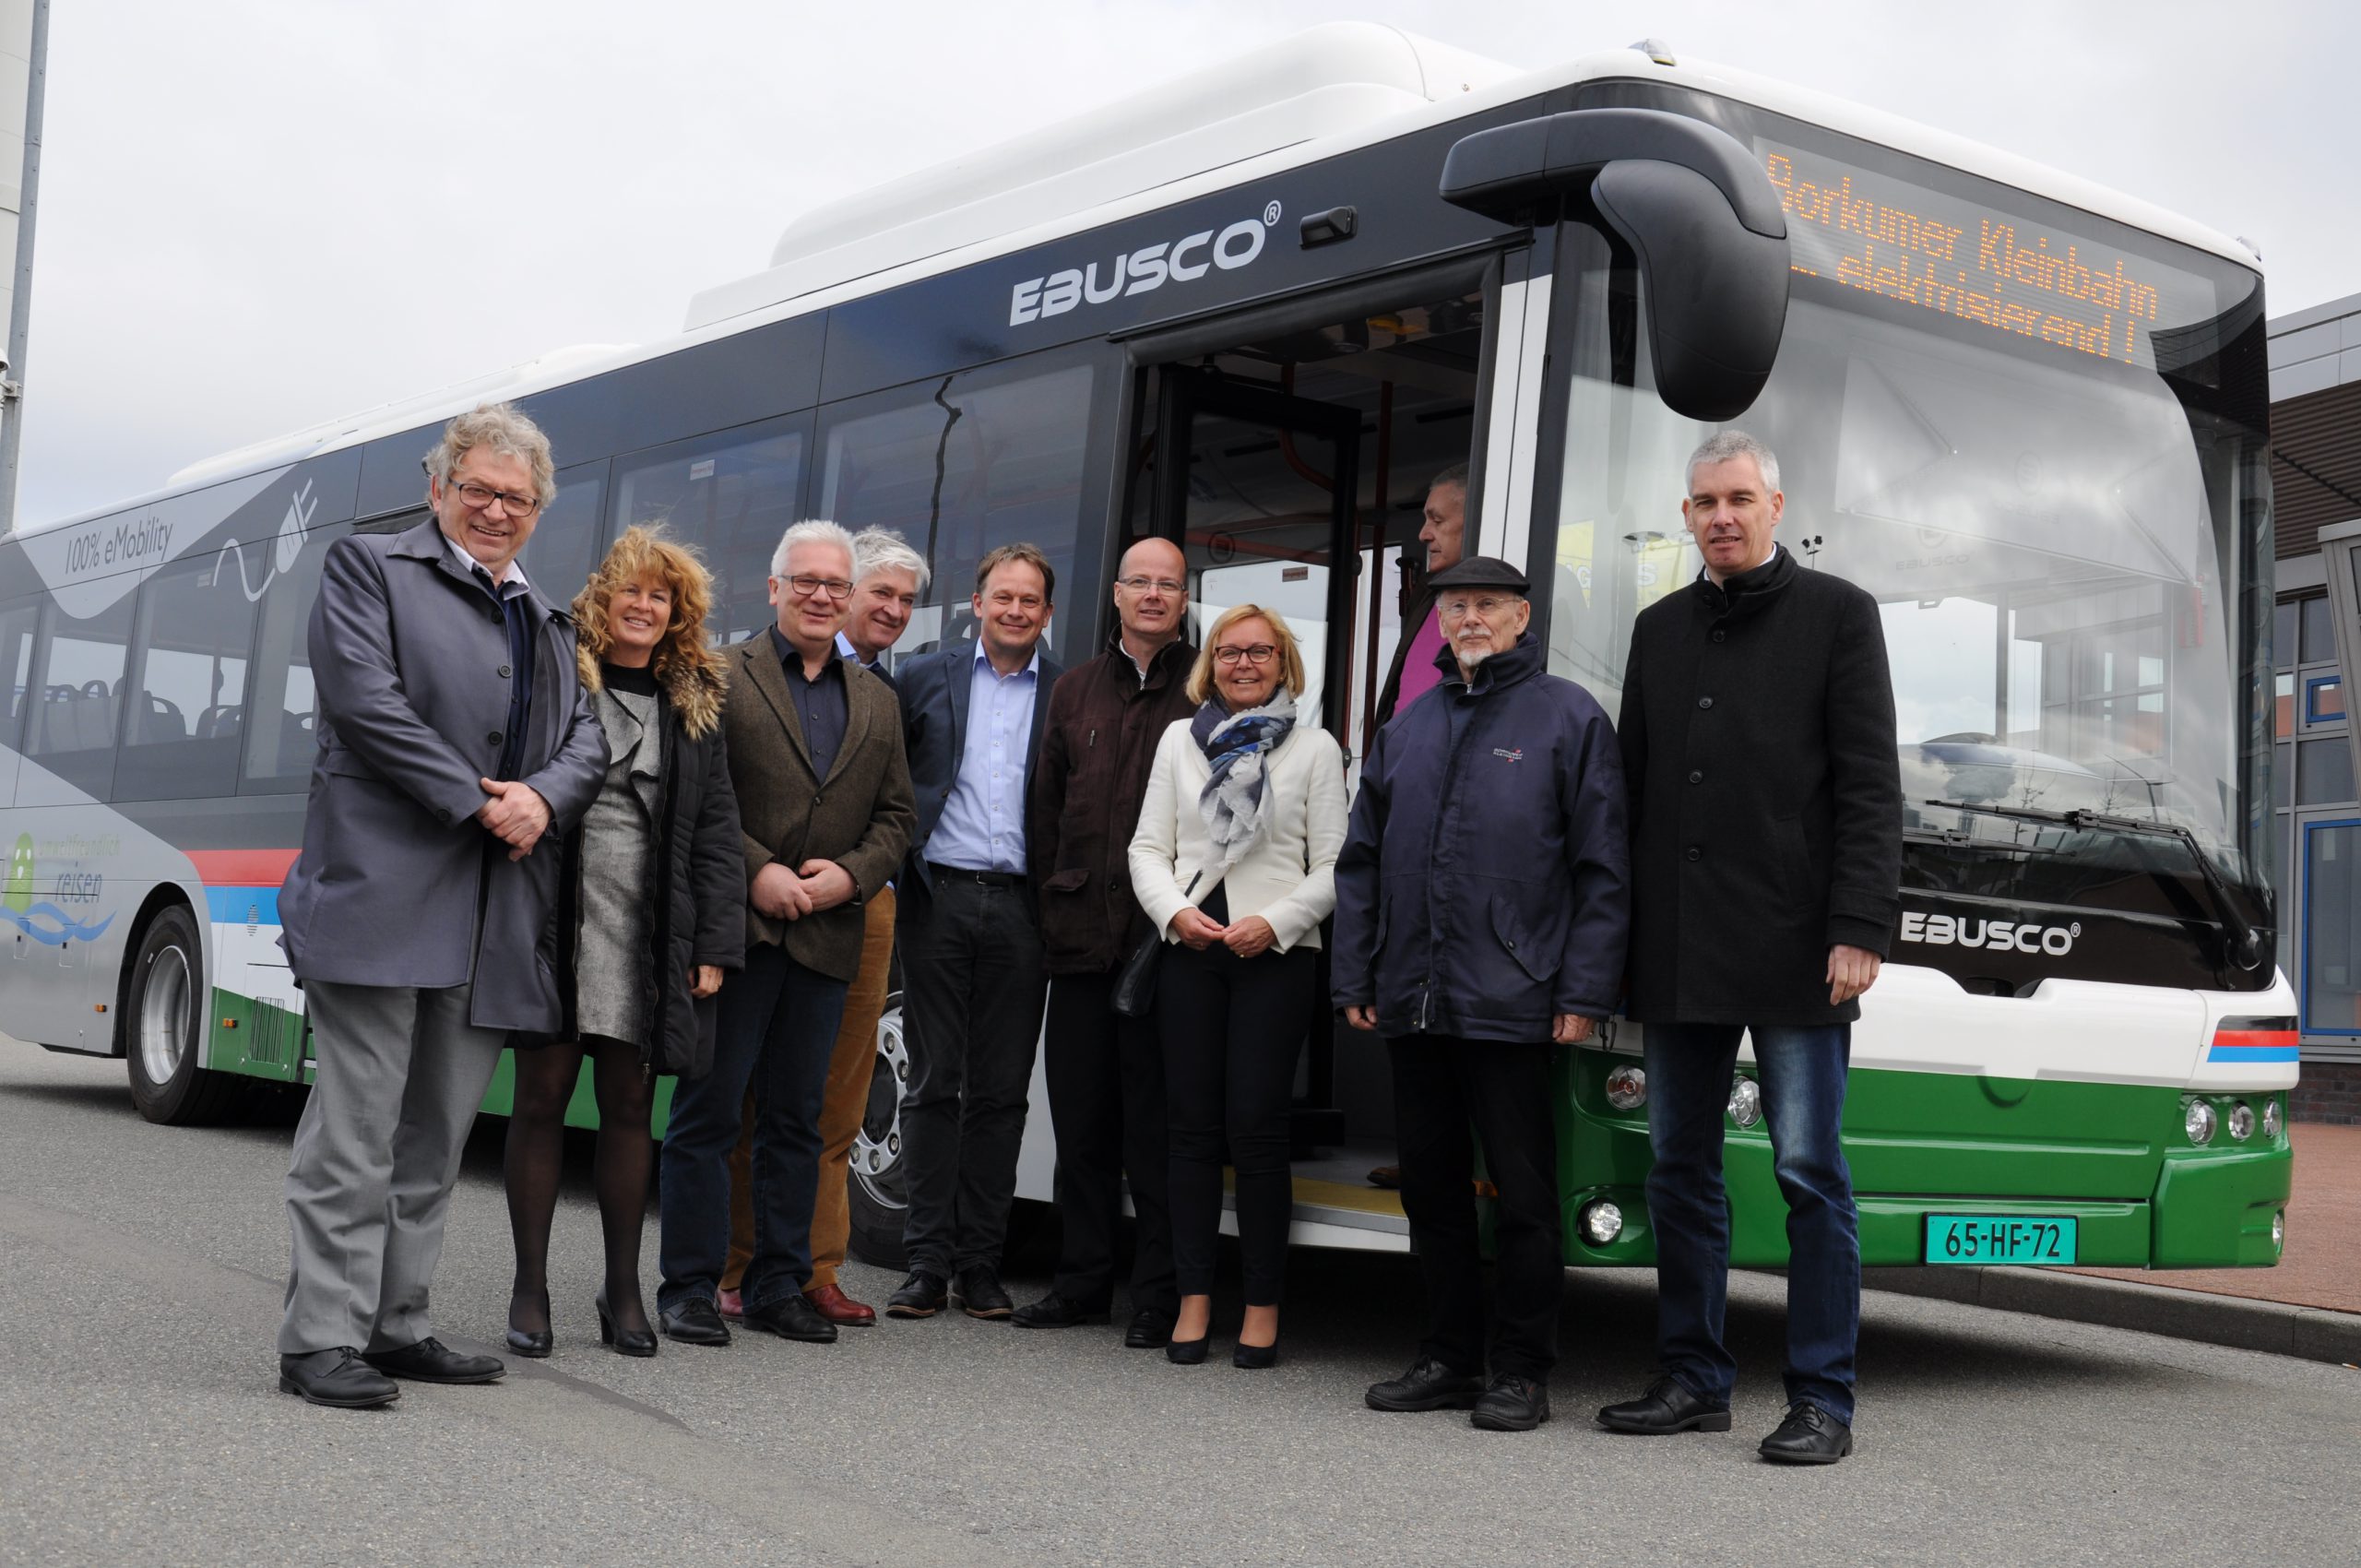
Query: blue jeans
[1802, 1071]
[775, 1026]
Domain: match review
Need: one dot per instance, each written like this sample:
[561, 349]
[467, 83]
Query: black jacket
[1759, 746]
[1083, 802]
[934, 689]
[699, 884]
[1484, 887]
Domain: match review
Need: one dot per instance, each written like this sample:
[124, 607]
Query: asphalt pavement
[141, 1270]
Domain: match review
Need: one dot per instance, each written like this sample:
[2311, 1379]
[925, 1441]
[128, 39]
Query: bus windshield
[2035, 435]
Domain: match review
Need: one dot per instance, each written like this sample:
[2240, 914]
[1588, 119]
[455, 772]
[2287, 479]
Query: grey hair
[883, 549]
[1720, 447]
[1455, 475]
[501, 428]
[811, 531]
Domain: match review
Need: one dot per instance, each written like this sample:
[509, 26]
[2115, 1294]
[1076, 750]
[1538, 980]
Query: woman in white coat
[1234, 862]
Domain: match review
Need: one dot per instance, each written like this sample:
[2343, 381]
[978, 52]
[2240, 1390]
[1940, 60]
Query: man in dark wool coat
[1758, 736]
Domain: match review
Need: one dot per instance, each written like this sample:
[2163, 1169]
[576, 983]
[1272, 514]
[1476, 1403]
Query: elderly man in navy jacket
[1481, 915]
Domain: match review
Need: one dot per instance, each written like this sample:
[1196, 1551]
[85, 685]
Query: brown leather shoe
[839, 1308]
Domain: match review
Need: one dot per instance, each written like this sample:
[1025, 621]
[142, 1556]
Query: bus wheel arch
[163, 1004]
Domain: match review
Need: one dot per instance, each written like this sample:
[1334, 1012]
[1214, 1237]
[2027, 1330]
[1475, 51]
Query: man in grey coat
[456, 749]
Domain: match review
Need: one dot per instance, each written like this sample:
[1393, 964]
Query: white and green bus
[1252, 310]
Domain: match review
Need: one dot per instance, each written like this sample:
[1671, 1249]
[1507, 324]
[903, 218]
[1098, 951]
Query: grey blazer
[410, 657]
[935, 689]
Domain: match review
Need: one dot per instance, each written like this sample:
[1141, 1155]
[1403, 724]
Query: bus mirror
[1699, 215]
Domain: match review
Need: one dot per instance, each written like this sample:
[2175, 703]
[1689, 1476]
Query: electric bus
[1253, 311]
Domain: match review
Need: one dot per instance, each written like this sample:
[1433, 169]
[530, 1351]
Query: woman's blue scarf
[1235, 745]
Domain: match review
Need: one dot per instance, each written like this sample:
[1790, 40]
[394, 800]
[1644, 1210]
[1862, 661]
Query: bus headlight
[2241, 1122]
[2198, 1120]
[2271, 1118]
[1627, 1088]
[1602, 1222]
[2279, 1231]
[1746, 1102]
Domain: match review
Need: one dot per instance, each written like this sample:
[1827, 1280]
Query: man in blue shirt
[974, 977]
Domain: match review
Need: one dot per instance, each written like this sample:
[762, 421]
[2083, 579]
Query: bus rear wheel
[875, 1192]
[164, 1029]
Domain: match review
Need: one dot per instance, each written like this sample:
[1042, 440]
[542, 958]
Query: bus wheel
[873, 1178]
[164, 1032]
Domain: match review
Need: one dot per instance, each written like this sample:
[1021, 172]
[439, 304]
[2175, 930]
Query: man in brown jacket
[1105, 1072]
[823, 794]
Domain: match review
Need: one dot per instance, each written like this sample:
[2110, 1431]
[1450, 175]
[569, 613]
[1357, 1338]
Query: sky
[258, 214]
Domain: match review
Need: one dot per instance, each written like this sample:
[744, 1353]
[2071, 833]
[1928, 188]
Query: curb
[2313, 1334]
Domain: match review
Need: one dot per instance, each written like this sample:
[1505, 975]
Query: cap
[1482, 571]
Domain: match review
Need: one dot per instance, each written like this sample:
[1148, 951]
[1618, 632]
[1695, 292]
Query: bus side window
[188, 684]
[17, 624]
[76, 683]
[960, 466]
[731, 494]
[277, 724]
[566, 547]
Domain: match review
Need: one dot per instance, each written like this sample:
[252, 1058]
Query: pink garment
[1420, 675]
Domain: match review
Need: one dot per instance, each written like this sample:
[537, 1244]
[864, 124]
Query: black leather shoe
[1054, 1311]
[792, 1316]
[1186, 1352]
[339, 1378]
[1427, 1385]
[695, 1322]
[980, 1292]
[533, 1343]
[1151, 1329]
[1254, 1358]
[1809, 1437]
[626, 1341]
[1666, 1407]
[1511, 1404]
[431, 1360]
[923, 1294]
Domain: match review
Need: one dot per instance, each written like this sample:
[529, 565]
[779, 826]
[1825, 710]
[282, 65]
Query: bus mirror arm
[1697, 212]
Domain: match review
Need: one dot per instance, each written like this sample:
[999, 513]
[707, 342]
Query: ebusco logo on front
[1991, 935]
[1184, 260]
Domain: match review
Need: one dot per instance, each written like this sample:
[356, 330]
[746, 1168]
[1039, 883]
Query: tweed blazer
[861, 815]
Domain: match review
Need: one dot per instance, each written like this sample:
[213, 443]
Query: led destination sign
[1923, 247]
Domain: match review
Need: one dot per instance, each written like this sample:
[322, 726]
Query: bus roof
[1322, 92]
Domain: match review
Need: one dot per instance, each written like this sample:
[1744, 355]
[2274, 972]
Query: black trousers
[1232, 1029]
[973, 981]
[1105, 1076]
[1441, 1086]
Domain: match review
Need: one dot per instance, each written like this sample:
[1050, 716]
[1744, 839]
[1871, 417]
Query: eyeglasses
[1260, 654]
[1482, 606]
[1161, 585]
[834, 587]
[480, 497]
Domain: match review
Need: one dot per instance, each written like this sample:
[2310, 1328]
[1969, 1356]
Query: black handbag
[1135, 981]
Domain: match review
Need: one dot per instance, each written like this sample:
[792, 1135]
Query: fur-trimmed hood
[695, 688]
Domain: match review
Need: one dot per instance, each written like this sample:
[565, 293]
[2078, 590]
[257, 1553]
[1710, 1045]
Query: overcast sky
[257, 214]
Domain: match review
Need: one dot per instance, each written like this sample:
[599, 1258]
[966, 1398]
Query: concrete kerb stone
[2277, 1327]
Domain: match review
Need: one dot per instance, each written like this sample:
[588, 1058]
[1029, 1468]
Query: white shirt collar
[468, 563]
[1032, 665]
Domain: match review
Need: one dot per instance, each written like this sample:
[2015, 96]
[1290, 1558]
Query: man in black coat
[1481, 913]
[1758, 734]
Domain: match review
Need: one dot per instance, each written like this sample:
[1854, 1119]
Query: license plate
[1999, 1237]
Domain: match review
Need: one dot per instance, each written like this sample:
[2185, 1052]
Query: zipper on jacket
[1434, 843]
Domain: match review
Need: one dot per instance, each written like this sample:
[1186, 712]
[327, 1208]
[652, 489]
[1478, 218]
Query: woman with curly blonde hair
[652, 911]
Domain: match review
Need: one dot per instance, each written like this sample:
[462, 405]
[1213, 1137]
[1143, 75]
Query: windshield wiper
[2246, 942]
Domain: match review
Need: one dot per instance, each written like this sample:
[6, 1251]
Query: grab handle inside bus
[1694, 208]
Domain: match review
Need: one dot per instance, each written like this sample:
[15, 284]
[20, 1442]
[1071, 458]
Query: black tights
[536, 1161]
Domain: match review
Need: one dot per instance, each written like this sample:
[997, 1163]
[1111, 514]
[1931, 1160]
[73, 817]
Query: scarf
[1235, 745]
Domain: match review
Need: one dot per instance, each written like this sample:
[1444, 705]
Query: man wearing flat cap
[1482, 906]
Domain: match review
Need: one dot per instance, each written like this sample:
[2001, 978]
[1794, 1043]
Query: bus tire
[163, 1025]
[874, 1194]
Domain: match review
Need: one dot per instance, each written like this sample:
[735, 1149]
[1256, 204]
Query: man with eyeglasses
[972, 974]
[1105, 1072]
[1482, 912]
[454, 737]
[823, 796]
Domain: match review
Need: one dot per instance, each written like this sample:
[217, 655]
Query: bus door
[1289, 456]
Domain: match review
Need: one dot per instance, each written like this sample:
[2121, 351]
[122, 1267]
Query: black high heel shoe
[626, 1341]
[533, 1343]
[1254, 1358]
[1186, 1352]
